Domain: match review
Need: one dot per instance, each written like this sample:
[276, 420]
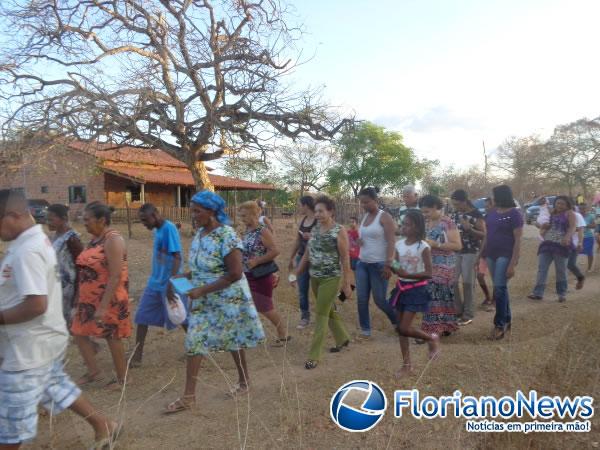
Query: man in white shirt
[33, 333]
[576, 249]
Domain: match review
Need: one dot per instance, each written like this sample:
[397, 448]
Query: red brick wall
[56, 168]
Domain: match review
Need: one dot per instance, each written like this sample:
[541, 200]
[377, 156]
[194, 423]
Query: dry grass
[553, 348]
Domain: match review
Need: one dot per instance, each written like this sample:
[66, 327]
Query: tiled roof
[128, 154]
[177, 176]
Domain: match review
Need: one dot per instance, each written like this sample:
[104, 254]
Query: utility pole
[485, 166]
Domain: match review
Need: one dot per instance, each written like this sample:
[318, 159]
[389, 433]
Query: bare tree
[305, 166]
[197, 78]
[521, 159]
[246, 168]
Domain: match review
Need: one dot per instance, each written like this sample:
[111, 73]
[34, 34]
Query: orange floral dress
[92, 266]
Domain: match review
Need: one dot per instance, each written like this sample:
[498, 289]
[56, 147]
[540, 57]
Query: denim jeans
[369, 280]
[572, 265]
[497, 268]
[465, 268]
[303, 282]
[560, 265]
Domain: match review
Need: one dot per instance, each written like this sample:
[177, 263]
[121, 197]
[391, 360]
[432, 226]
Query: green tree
[369, 155]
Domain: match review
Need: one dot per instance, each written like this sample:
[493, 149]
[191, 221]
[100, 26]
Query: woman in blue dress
[222, 317]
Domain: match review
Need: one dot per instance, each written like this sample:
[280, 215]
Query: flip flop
[86, 379]
[178, 406]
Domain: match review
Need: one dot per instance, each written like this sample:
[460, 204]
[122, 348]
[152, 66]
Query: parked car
[480, 205]
[38, 209]
[533, 210]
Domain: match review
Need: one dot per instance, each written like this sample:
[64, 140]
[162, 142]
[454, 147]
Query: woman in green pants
[329, 261]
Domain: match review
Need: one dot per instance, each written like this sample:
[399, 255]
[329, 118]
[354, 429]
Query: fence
[182, 215]
[344, 211]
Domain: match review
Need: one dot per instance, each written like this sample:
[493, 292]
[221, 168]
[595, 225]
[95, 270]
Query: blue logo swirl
[370, 413]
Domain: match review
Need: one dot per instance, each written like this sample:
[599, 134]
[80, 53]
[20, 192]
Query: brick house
[78, 173]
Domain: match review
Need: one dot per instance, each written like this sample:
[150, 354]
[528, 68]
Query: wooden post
[143, 193]
[128, 218]
[234, 206]
[178, 196]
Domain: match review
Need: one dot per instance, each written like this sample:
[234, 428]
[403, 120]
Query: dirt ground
[553, 349]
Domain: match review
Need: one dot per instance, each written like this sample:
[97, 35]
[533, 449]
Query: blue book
[181, 285]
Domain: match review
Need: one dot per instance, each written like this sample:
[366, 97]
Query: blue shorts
[588, 246]
[414, 300]
[152, 310]
[22, 391]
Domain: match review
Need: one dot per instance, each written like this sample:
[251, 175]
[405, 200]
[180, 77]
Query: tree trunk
[200, 174]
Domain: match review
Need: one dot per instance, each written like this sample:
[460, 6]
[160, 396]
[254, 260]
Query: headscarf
[210, 200]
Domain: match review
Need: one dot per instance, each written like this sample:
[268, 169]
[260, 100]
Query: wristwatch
[292, 278]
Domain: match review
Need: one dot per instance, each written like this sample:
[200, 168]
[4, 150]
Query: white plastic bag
[544, 215]
[176, 310]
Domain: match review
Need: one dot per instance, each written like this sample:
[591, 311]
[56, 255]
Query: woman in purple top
[501, 248]
[555, 247]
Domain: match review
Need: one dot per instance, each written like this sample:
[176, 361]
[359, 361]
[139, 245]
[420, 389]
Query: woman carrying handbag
[259, 267]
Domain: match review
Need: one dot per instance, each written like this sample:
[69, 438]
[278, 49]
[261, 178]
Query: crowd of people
[53, 288]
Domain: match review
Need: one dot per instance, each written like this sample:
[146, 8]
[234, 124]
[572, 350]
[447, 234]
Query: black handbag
[264, 270]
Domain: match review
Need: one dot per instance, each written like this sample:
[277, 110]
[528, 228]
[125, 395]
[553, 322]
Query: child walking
[413, 267]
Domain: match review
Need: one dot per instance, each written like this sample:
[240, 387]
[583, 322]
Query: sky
[452, 74]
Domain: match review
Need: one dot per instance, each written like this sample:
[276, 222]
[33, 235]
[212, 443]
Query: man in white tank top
[373, 270]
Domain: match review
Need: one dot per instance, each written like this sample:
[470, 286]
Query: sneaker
[363, 336]
[303, 324]
[463, 322]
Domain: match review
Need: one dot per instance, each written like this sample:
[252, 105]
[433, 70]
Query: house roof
[127, 154]
[151, 165]
[176, 176]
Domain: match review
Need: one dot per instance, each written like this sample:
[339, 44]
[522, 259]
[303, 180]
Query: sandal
[310, 364]
[115, 385]
[280, 342]
[434, 346]
[109, 441]
[405, 371]
[135, 364]
[178, 406]
[86, 379]
[338, 348]
[534, 297]
[238, 389]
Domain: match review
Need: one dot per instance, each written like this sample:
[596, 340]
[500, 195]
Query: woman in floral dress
[102, 306]
[222, 317]
[444, 239]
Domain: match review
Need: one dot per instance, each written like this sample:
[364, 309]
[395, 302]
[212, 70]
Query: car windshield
[479, 203]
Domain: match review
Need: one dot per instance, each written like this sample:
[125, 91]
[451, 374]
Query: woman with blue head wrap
[213, 202]
[222, 317]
